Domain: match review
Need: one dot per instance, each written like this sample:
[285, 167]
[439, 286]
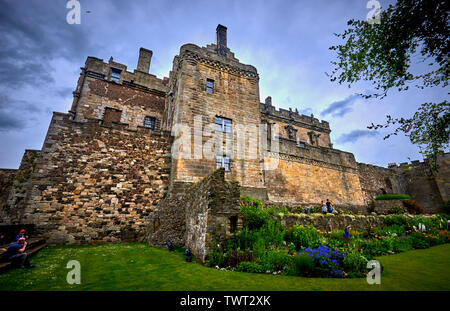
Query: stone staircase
[33, 247]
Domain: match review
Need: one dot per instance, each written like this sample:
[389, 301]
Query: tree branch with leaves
[382, 54]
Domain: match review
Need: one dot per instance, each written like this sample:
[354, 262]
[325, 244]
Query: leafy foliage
[383, 53]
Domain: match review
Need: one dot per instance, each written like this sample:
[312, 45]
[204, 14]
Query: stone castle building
[106, 165]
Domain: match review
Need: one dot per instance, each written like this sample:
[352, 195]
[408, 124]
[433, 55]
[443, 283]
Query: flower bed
[264, 245]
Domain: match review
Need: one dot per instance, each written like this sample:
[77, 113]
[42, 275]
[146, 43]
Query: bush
[354, 262]
[396, 210]
[274, 260]
[402, 244]
[303, 265]
[446, 206]
[252, 267]
[399, 220]
[234, 258]
[216, 258]
[254, 214]
[413, 207]
[392, 197]
[303, 236]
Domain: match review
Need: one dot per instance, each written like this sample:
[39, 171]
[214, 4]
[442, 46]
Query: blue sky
[287, 41]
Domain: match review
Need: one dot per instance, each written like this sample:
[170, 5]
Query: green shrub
[303, 236]
[402, 244]
[252, 267]
[390, 230]
[392, 197]
[274, 260]
[418, 240]
[354, 262]
[396, 210]
[216, 258]
[255, 215]
[446, 206]
[399, 220]
[234, 258]
[303, 265]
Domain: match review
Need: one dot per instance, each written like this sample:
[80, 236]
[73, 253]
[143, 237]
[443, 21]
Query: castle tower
[211, 89]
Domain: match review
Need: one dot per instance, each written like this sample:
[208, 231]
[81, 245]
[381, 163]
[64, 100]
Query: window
[233, 223]
[111, 116]
[115, 74]
[209, 86]
[302, 144]
[223, 161]
[223, 125]
[150, 122]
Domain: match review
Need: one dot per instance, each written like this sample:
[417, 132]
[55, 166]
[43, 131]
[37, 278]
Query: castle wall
[94, 183]
[7, 177]
[313, 174]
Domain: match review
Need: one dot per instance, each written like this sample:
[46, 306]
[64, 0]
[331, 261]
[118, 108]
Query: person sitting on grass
[16, 254]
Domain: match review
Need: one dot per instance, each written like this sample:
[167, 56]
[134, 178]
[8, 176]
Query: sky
[287, 41]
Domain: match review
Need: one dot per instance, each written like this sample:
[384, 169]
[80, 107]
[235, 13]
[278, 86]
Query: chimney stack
[221, 32]
[145, 57]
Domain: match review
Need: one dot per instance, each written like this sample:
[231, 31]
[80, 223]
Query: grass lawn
[136, 266]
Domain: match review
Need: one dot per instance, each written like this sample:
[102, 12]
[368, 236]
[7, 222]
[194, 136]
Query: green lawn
[135, 266]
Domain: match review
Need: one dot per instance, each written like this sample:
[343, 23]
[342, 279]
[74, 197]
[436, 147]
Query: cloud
[355, 135]
[32, 35]
[12, 112]
[342, 107]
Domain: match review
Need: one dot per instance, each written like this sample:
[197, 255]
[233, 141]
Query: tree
[381, 53]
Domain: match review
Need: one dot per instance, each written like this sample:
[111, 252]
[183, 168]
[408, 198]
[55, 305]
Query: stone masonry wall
[197, 214]
[95, 183]
[7, 177]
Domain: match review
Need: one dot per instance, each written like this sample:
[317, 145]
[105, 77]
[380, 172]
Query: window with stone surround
[223, 125]
[111, 115]
[209, 86]
[223, 161]
[302, 144]
[150, 122]
[115, 74]
[233, 224]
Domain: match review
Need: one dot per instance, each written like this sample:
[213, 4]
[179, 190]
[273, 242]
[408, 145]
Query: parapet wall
[309, 175]
[93, 183]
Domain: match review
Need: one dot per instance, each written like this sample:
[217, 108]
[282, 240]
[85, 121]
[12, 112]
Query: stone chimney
[221, 33]
[145, 57]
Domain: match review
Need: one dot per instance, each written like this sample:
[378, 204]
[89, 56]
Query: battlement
[117, 73]
[271, 111]
[445, 156]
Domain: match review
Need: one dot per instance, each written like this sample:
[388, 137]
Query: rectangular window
[115, 74]
[223, 125]
[111, 116]
[209, 86]
[223, 161]
[150, 122]
[302, 144]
